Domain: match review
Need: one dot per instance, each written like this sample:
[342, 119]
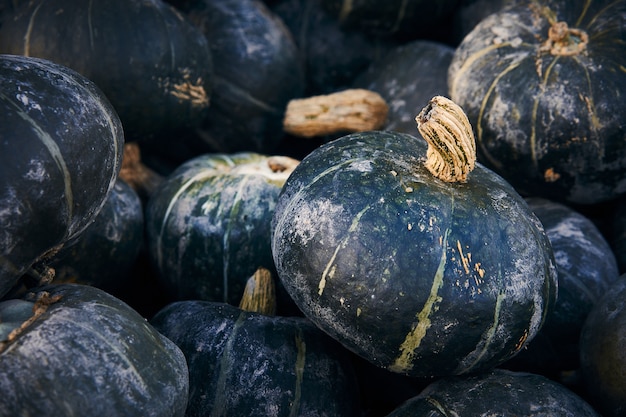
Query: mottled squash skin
[418, 276]
[61, 146]
[89, 354]
[208, 225]
[552, 124]
[496, 393]
[248, 364]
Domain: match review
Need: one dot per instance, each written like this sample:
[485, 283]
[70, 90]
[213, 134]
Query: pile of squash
[312, 208]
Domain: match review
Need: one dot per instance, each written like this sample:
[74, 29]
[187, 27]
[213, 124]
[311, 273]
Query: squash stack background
[110, 108]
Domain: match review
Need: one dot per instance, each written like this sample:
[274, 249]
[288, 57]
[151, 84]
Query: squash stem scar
[414, 338]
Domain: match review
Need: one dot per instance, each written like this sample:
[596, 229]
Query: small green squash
[603, 351]
[153, 65]
[208, 223]
[419, 275]
[244, 362]
[543, 83]
[77, 351]
[496, 393]
[104, 254]
[60, 152]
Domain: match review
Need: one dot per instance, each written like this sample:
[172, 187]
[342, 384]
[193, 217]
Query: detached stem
[451, 153]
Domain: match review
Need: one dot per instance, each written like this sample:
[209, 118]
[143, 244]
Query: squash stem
[259, 295]
[451, 153]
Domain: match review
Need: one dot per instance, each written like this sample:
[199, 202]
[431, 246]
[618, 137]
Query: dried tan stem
[259, 295]
[353, 110]
[451, 153]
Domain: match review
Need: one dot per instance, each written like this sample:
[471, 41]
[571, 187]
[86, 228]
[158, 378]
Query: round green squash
[243, 362]
[104, 254]
[208, 223]
[543, 84]
[586, 268]
[603, 351]
[257, 71]
[83, 352]
[419, 275]
[496, 393]
[150, 61]
[60, 151]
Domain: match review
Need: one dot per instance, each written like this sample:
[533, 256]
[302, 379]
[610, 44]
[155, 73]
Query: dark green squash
[104, 254]
[245, 363]
[543, 83]
[407, 77]
[257, 71]
[416, 274]
[151, 62]
[403, 19]
[83, 352]
[603, 351]
[496, 393]
[60, 151]
[208, 223]
[333, 56]
[586, 267]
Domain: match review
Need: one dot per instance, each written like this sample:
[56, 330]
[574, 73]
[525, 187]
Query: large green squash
[496, 393]
[416, 274]
[208, 223]
[78, 351]
[543, 83]
[151, 62]
[60, 151]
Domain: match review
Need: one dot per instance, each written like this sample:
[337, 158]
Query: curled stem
[451, 153]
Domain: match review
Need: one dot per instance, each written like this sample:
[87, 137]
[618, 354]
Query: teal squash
[416, 274]
[208, 223]
[543, 83]
[60, 152]
[82, 352]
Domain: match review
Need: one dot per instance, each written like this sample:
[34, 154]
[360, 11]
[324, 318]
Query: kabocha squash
[543, 84]
[60, 151]
[151, 62]
[496, 393]
[244, 363]
[603, 351]
[333, 56]
[208, 223]
[105, 252]
[418, 275]
[586, 267]
[257, 71]
[80, 351]
[403, 19]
